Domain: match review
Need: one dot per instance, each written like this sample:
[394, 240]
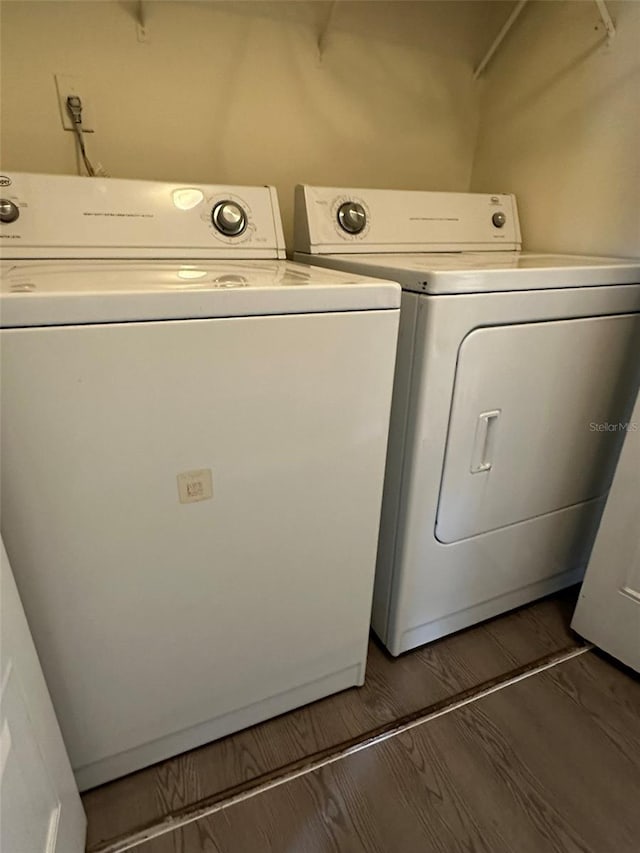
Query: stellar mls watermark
[621, 426]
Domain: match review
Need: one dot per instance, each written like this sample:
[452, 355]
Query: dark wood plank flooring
[394, 689]
[549, 764]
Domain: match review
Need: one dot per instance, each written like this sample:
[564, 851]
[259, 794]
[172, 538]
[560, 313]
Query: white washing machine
[513, 371]
[193, 456]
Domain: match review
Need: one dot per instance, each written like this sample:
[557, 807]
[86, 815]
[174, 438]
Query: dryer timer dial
[229, 218]
[352, 217]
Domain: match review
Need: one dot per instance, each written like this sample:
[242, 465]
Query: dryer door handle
[484, 441]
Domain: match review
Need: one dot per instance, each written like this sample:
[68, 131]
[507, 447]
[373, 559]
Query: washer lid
[485, 272]
[36, 293]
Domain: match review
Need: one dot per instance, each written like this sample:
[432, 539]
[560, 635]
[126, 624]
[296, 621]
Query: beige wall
[560, 127]
[235, 92]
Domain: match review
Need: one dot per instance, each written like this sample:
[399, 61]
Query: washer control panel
[329, 220]
[56, 216]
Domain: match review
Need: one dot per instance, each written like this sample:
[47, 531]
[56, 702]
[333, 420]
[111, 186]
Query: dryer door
[536, 421]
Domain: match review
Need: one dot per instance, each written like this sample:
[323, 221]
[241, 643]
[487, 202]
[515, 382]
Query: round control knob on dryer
[352, 217]
[9, 211]
[229, 218]
[499, 219]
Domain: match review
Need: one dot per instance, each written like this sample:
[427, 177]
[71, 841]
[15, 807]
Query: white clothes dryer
[193, 443]
[513, 370]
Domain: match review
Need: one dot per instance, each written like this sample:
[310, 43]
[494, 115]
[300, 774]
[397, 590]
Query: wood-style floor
[549, 764]
[396, 692]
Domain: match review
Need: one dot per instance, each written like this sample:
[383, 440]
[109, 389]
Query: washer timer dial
[229, 218]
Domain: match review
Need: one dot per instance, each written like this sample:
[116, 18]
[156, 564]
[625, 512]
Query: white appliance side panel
[608, 611]
[152, 615]
[534, 420]
[439, 588]
[393, 470]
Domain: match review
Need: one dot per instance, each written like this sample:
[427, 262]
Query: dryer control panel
[64, 216]
[330, 220]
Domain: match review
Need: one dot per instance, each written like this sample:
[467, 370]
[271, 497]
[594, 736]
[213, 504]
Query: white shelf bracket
[500, 38]
[322, 37]
[142, 28]
[606, 20]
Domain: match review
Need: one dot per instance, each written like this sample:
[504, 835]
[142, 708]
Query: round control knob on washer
[499, 219]
[9, 211]
[229, 218]
[352, 217]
